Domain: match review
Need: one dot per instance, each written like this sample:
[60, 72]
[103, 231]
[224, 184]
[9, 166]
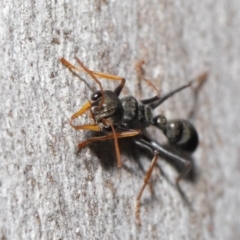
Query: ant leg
[157, 99]
[140, 74]
[151, 145]
[157, 149]
[143, 144]
[160, 100]
[115, 135]
[130, 133]
[200, 79]
[187, 164]
[146, 180]
[90, 127]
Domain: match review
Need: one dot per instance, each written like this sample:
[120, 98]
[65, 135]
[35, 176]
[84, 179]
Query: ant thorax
[136, 114]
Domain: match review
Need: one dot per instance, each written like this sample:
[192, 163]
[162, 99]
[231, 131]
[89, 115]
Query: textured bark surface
[47, 191]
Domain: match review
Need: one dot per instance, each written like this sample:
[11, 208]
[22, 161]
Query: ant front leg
[152, 146]
[114, 135]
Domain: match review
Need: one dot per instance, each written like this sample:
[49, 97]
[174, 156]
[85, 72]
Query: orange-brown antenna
[85, 69]
[91, 73]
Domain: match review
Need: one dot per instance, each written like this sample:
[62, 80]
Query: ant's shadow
[105, 151]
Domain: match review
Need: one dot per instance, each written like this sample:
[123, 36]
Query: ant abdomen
[180, 133]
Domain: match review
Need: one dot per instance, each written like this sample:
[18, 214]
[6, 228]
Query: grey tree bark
[47, 191]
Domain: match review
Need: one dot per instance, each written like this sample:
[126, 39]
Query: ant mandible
[127, 117]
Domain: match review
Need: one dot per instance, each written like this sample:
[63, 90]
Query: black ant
[127, 117]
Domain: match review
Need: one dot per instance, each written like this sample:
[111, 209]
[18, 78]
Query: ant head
[106, 107]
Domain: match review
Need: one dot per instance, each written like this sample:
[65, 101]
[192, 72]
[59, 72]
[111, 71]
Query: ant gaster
[127, 117]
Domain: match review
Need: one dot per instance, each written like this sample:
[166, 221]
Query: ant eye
[96, 95]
